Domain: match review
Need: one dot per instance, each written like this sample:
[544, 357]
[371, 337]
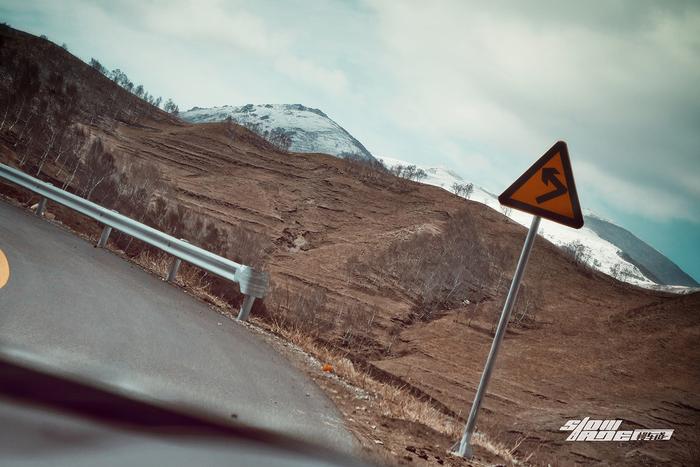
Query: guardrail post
[174, 266]
[245, 308]
[253, 285]
[41, 207]
[104, 236]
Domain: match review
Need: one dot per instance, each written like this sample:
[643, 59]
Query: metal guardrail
[253, 284]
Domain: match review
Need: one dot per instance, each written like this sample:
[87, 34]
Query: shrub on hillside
[438, 270]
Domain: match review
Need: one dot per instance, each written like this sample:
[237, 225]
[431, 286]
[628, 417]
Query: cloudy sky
[483, 88]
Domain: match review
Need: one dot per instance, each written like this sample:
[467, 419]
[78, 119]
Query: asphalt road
[86, 311]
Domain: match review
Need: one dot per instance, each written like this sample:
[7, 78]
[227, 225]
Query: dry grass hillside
[406, 280]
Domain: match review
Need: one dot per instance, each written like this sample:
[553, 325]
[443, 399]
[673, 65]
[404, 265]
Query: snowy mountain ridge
[291, 126]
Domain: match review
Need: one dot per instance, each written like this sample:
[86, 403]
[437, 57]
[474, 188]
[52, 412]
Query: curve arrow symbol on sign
[549, 174]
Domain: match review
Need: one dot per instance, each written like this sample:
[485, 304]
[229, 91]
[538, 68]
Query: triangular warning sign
[547, 189]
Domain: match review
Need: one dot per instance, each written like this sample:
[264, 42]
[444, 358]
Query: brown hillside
[406, 278]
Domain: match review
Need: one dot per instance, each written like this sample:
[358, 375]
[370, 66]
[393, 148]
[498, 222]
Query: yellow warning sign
[547, 189]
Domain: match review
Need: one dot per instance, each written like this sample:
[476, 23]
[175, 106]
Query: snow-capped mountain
[653, 264]
[292, 126]
[602, 244]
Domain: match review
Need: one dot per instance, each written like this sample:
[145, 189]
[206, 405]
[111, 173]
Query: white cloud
[331, 80]
[227, 31]
[618, 83]
[646, 201]
[209, 22]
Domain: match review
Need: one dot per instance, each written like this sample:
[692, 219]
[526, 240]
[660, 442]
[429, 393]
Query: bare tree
[468, 190]
[98, 66]
[409, 172]
[59, 120]
[529, 300]
[367, 170]
[171, 107]
[579, 252]
[439, 270]
[22, 88]
[280, 138]
[462, 189]
[98, 166]
[118, 76]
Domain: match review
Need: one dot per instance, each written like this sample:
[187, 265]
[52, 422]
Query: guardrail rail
[252, 283]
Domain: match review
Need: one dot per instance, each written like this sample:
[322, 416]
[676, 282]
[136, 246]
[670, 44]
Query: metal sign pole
[465, 448]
